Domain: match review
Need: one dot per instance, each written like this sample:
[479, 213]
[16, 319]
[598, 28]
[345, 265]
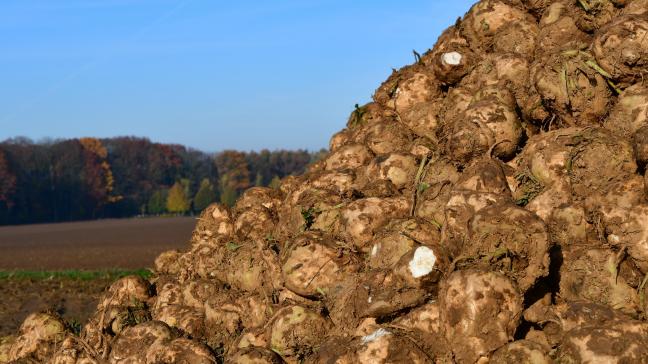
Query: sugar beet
[489, 205]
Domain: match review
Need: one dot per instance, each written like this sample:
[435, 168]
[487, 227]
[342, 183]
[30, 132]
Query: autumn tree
[234, 175]
[177, 201]
[140, 168]
[75, 179]
[164, 163]
[233, 164]
[97, 173]
[206, 195]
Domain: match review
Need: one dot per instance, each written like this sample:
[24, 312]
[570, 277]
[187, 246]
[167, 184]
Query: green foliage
[357, 115]
[232, 246]
[258, 181]
[530, 186]
[186, 186]
[157, 204]
[83, 275]
[228, 194]
[309, 217]
[205, 195]
[275, 182]
[177, 201]
[75, 326]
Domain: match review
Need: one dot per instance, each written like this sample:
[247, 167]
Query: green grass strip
[84, 275]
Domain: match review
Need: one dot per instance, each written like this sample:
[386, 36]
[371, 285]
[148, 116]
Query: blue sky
[209, 74]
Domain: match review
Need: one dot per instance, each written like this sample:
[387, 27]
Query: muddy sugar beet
[488, 206]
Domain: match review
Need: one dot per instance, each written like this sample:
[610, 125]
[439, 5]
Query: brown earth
[91, 245]
[73, 299]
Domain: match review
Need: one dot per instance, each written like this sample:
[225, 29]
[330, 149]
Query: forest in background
[91, 178]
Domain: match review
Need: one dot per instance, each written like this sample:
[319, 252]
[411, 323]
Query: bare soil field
[74, 299]
[104, 245]
[92, 245]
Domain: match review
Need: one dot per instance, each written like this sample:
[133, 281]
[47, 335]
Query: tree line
[91, 178]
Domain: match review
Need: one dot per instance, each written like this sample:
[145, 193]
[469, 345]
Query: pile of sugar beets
[488, 206]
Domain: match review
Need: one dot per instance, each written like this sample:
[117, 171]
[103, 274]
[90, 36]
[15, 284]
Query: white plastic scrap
[452, 58]
[375, 336]
[423, 262]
